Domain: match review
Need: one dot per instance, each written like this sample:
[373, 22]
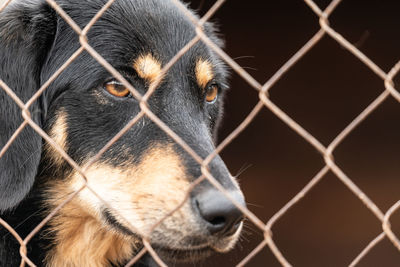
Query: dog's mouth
[116, 225]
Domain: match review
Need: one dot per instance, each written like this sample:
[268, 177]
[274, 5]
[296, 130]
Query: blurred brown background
[324, 92]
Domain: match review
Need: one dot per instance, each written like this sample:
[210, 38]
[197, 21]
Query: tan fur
[82, 241]
[140, 195]
[204, 72]
[58, 133]
[147, 67]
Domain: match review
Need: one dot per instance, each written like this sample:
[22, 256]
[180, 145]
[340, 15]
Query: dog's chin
[183, 255]
[187, 255]
[199, 252]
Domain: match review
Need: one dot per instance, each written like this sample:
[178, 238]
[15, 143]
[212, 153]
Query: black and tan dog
[145, 174]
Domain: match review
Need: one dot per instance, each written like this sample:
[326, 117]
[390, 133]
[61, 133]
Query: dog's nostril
[220, 215]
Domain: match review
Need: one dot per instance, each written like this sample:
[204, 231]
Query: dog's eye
[212, 93]
[116, 89]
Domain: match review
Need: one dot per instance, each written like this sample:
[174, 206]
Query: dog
[144, 175]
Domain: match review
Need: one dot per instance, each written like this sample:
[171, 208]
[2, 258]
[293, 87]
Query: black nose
[221, 216]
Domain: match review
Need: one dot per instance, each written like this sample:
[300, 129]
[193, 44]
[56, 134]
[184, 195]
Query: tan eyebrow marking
[204, 72]
[147, 67]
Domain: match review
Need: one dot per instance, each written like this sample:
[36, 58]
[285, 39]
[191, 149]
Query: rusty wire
[264, 102]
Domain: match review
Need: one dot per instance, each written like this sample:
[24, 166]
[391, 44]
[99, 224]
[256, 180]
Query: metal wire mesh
[264, 102]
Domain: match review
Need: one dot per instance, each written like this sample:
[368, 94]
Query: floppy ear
[27, 30]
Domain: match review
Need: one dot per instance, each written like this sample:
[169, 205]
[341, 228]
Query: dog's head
[145, 174]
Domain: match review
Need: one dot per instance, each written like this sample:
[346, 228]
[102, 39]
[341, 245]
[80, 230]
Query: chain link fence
[264, 103]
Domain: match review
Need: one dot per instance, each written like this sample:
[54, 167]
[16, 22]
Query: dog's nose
[218, 212]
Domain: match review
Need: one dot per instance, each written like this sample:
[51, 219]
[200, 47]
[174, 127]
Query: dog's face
[145, 174]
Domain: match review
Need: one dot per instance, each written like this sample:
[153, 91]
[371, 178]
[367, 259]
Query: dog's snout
[218, 212]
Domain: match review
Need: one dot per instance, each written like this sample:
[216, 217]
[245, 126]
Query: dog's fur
[145, 174]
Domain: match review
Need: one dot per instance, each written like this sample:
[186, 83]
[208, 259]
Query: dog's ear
[27, 31]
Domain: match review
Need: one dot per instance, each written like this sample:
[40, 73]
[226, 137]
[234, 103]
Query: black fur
[27, 33]
[35, 41]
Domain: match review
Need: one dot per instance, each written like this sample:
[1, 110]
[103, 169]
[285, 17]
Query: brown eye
[117, 89]
[212, 93]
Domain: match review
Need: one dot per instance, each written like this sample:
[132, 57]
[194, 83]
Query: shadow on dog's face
[145, 174]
